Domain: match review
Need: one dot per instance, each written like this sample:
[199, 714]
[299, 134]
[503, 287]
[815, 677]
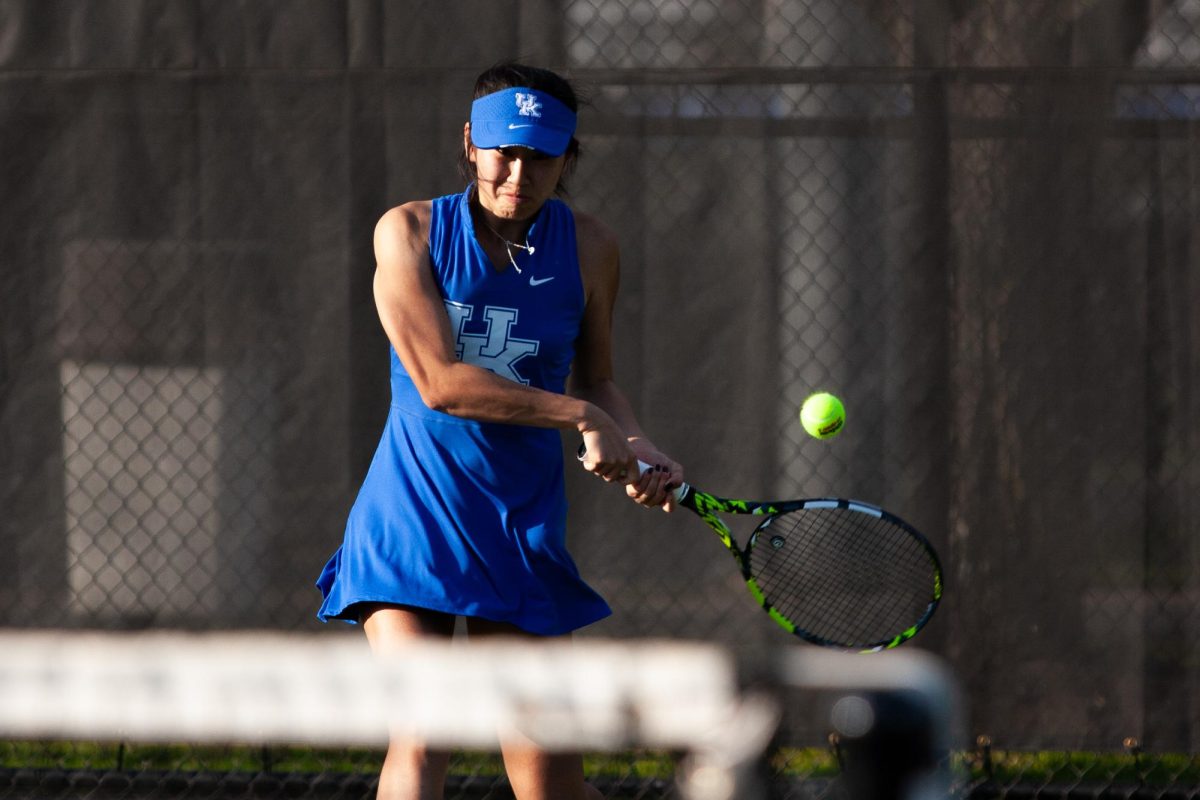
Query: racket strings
[842, 575]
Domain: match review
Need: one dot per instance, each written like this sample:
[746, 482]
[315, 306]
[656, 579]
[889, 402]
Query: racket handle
[679, 491]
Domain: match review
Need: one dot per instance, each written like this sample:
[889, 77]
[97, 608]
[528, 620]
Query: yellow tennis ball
[822, 415]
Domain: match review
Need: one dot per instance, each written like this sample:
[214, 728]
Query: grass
[1073, 767]
[184, 758]
[998, 766]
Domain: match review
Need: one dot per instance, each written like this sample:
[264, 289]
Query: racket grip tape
[679, 491]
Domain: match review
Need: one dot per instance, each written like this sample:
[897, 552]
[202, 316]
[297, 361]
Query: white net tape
[263, 687]
[587, 694]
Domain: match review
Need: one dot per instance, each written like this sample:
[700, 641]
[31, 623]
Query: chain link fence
[975, 221]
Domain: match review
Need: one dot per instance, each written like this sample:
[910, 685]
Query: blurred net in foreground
[230, 698]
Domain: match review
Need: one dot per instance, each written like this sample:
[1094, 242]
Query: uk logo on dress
[495, 349]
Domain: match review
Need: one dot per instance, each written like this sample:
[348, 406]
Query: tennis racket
[837, 573]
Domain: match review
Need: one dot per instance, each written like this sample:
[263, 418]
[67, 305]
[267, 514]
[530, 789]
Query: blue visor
[522, 117]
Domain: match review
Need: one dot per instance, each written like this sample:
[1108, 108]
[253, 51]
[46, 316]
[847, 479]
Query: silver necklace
[508, 246]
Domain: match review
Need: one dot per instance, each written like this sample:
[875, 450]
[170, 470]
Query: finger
[653, 489]
[617, 473]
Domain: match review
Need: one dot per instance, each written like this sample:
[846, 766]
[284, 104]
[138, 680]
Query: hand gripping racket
[837, 573]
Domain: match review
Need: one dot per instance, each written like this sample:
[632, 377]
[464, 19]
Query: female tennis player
[493, 300]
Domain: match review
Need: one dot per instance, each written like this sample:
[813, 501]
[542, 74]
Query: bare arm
[592, 375]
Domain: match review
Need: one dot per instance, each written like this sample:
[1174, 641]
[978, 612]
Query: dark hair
[510, 75]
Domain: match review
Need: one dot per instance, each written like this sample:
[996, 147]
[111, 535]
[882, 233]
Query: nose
[518, 170]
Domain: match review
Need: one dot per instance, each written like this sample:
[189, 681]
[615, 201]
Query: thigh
[538, 775]
[389, 627]
[534, 773]
[411, 769]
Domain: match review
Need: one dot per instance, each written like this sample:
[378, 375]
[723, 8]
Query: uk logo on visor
[522, 117]
[528, 105]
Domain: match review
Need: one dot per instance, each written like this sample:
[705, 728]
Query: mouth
[510, 201]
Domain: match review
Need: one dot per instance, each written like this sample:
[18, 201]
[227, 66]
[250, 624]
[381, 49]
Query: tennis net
[271, 714]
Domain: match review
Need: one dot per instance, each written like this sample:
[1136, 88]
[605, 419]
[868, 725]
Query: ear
[468, 148]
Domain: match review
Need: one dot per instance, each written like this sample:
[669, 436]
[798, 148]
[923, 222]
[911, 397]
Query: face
[514, 182]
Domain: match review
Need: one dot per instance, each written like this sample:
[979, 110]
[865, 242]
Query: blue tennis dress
[469, 517]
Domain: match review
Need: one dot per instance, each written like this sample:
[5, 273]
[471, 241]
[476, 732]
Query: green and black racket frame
[837, 573]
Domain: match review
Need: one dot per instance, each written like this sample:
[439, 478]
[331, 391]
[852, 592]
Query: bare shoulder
[404, 222]
[401, 238]
[599, 253]
[594, 237]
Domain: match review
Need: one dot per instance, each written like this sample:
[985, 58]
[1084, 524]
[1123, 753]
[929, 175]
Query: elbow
[440, 388]
[436, 400]
[445, 396]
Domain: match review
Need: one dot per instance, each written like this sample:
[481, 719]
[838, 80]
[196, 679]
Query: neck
[509, 233]
[519, 242]
[505, 229]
